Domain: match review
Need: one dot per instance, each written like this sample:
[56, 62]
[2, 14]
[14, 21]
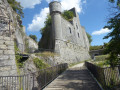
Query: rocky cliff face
[11, 31]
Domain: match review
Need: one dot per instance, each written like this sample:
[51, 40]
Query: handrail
[35, 80]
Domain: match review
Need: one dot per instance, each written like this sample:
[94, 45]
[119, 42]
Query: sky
[93, 16]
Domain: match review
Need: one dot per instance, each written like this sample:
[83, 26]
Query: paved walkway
[75, 78]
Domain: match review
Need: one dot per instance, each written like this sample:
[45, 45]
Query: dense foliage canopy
[113, 47]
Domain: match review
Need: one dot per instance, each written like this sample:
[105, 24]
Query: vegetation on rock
[68, 15]
[16, 7]
[33, 37]
[89, 37]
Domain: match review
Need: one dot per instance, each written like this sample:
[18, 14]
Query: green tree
[33, 37]
[16, 7]
[48, 23]
[89, 37]
[113, 47]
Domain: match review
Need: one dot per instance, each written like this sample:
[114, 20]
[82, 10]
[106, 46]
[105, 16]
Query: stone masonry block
[6, 68]
[9, 43]
[4, 73]
[7, 38]
[1, 52]
[4, 57]
[9, 52]
[12, 57]
[10, 47]
[1, 42]
[1, 37]
[7, 63]
[13, 72]
[3, 47]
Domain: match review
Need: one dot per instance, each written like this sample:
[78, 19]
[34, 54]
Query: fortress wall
[71, 53]
[7, 56]
[78, 29]
[86, 41]
[68, 31]
[7, 53]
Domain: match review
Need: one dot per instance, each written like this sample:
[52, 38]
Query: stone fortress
[68, 39]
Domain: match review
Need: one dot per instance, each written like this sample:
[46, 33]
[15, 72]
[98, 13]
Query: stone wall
[7, 53]
[7, 56]
[71, 52]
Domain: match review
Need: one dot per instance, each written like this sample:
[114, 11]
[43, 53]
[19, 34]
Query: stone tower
[55, 12]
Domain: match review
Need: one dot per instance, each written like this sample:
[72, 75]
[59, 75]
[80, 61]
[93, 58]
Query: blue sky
[93, 16]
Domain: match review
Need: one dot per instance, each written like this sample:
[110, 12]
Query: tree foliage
[16, 7]
[89, 37]
[96, 47]
[33, 37]
[48, 23]
[68, 15]
[113, 47]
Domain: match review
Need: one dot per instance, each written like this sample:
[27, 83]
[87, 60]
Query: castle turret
[55, 12]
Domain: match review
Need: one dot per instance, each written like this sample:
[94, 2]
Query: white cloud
[29, 3]
[68, 4]
[101, 31]
[38, 20]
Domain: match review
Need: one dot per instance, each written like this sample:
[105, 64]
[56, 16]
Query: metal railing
[33, 81]
[108, 77]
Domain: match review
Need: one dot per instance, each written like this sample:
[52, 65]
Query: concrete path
[75, 78]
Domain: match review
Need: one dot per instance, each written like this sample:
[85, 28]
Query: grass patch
[40, 64]
[101, 57]
[46, 54]
[101, 61]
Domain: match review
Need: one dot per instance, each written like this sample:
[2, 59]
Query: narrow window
[78, 35]
[70, 30]
[76, 26]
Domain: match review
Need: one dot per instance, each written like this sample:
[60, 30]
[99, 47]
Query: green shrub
[68, 15]
[40, 64]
